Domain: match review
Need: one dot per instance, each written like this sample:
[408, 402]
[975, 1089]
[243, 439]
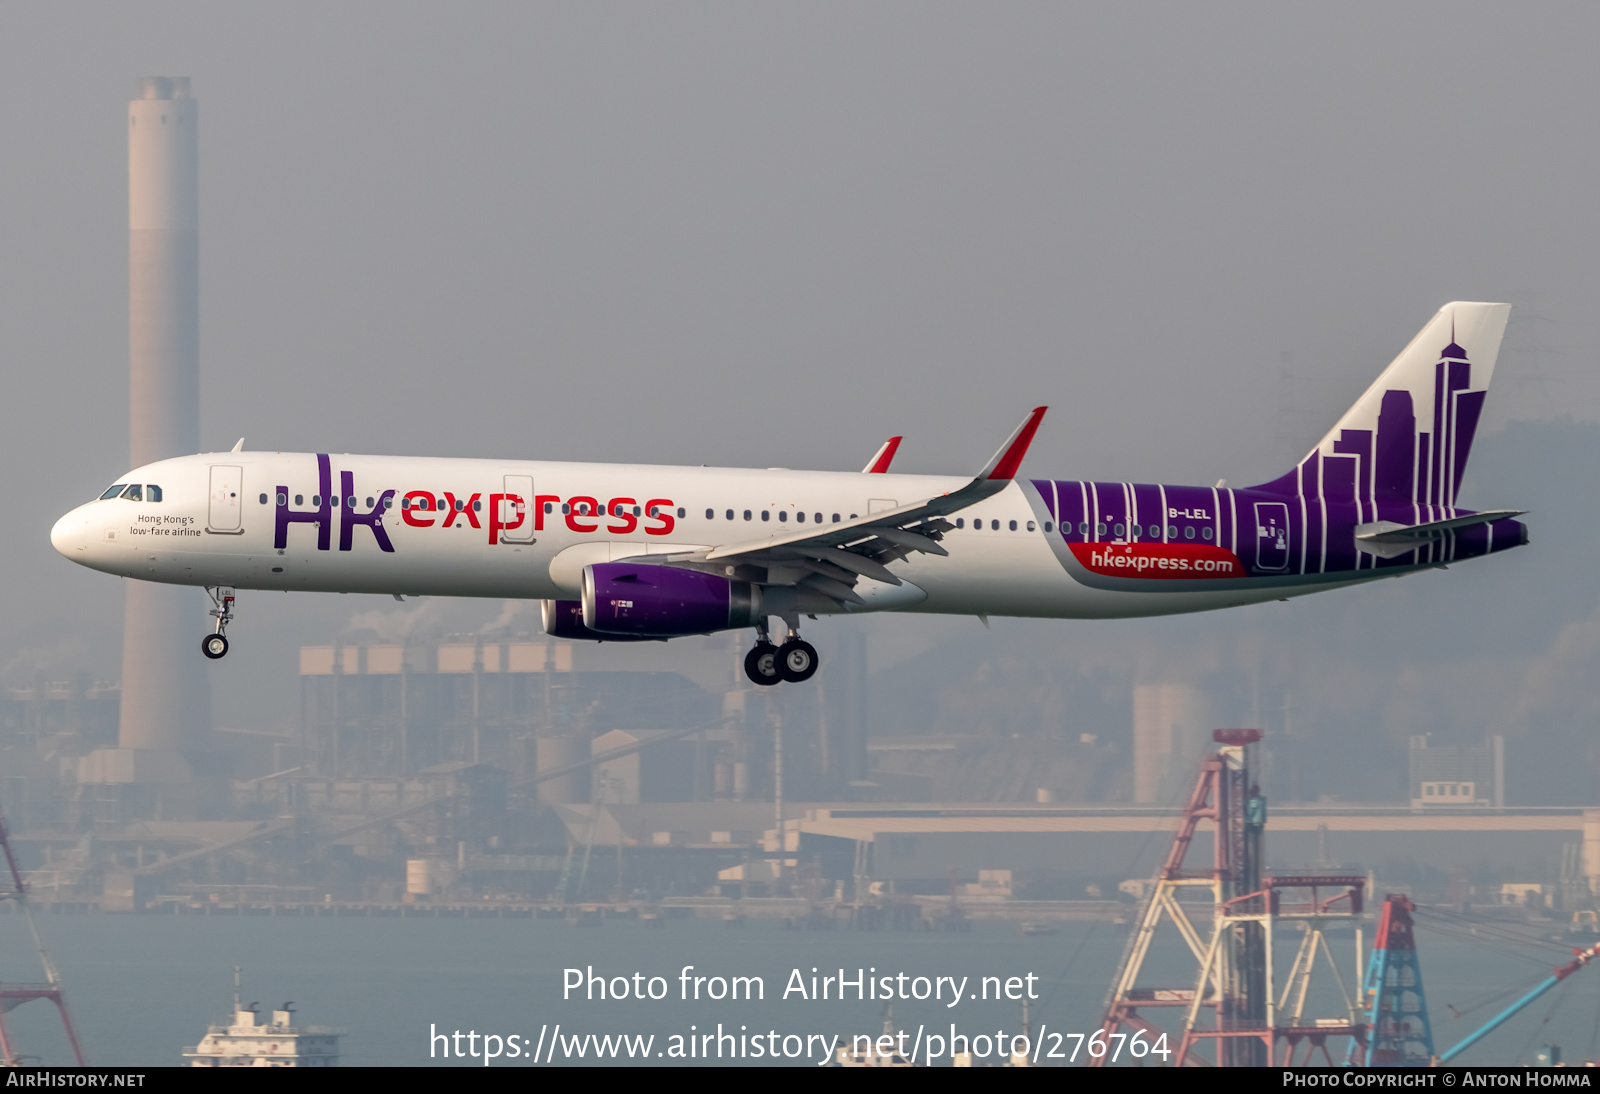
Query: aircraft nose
[70, 533]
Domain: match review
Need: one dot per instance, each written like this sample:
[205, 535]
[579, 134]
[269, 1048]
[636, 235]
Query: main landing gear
[215, 646]
[795, 661]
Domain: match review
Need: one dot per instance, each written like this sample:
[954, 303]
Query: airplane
[629, 552]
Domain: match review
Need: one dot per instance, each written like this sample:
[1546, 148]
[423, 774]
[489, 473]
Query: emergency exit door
[1272, 535]
[518, 503]
[225, 515]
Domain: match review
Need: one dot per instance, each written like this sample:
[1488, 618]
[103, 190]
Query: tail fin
[1407, 439]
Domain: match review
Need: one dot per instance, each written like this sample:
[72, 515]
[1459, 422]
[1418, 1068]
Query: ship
[251, 1042]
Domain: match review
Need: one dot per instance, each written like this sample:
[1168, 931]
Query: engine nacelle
[564, 619]
[621, 598]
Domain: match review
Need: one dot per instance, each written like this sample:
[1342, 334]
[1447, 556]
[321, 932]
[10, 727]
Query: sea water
[143, 987]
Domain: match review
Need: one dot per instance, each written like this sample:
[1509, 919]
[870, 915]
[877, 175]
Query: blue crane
[1579, 960]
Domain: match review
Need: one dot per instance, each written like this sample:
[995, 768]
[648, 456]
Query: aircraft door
[518, 503]
[226, 514]
[1272, 535]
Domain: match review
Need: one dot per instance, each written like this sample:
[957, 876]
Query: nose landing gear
[215, 646]
[794, 662]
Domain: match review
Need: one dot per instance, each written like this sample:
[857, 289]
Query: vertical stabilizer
[1407, 439]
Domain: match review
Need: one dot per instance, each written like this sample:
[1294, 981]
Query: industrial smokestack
[165, 695]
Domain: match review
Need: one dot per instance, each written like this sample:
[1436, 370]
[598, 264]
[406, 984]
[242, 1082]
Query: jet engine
[648, 601]
[564, 619]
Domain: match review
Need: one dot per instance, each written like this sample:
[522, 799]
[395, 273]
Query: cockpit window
[152, 492]
[113, 492]
[133, 493]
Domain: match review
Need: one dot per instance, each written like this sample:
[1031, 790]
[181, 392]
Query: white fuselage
[218, 523]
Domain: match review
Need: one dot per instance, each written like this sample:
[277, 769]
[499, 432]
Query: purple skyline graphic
[1303, 523]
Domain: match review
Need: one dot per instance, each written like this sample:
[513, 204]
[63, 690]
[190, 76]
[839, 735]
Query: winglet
[879, 464]
[1009, 458]
[238, 447]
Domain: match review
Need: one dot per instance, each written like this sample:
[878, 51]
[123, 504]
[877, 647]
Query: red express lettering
[409, 508]
[508, 512]
[497, 505]
[582, 506]
[622, 509]
[539, 502]
[659, 509]
[461, 508]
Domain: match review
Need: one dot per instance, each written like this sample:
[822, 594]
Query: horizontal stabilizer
[1387, 539]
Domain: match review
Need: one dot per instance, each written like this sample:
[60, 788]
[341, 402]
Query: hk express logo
[424, 509]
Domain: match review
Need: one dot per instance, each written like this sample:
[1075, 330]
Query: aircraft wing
[831, 559]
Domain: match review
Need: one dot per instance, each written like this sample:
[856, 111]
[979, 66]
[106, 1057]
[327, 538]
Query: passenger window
[730, 514]
[477, 506]
[836, 518]
[566, 507]
[680, 511]
[765, 515]
[1083, 528]
[350, 502]
[655, 511]
[994, 526]
[801, 517]
[961, 522]
[1120, 532]
[113, 492]
[783, 515]
[283, 499]
[747, 514]
[263, 499]
[548, 507]
[1013, 526]
[1188, 531]
[1172, 532]
[152, 493]
[1047, 527]
[1155, 530]
[1030, 526]
[133, 493]
[316, 499]
[710, 513]
[635, 510]
[1205, 533]
[388, 502]
[1100, 529]
[299, 499]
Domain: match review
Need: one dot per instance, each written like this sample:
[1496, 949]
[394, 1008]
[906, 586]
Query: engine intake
[648, 601]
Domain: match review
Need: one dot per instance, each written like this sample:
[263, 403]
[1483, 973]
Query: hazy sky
[760, 234]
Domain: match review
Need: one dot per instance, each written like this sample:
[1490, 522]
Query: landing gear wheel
[215, 645]
[797, 661]
[761, 664]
